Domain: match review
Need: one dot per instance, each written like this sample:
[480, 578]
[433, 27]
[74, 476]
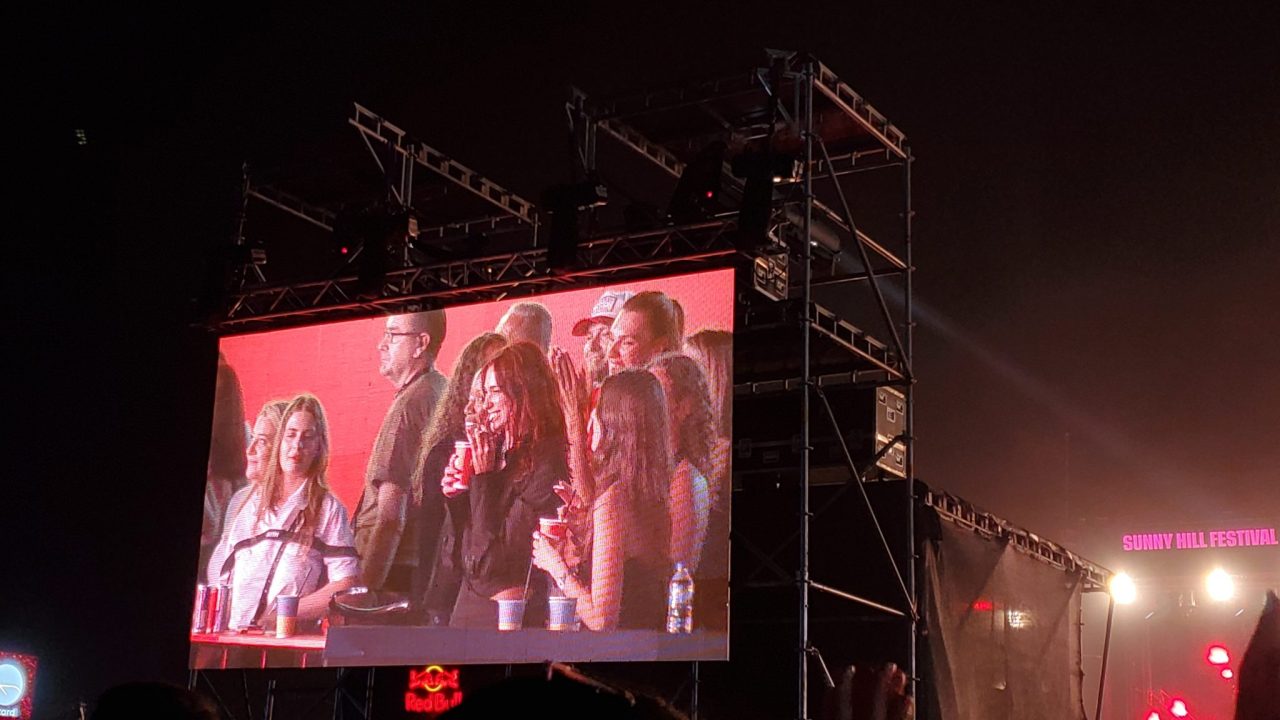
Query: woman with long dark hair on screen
[628, 539]
[435, 587]
[519, 453]
[713, 350]
[690, 431]
[292, 533]
[256, 456]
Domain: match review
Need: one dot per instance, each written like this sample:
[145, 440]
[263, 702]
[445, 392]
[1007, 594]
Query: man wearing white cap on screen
[597, 329]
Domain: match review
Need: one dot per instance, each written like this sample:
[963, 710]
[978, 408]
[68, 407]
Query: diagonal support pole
[866, 263]
[866, 501]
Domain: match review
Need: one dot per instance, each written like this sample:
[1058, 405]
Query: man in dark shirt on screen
[385, 537]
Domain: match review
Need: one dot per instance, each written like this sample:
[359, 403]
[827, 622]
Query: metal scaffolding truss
[322, 218]
[670, 162]
[519, 272]
[951, 508]
[374, 128]
[795, 107]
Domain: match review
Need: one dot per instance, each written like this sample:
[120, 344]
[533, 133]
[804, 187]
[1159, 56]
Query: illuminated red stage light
[1178, 708]
[1227, 674]
[1218, 655]
[711, 193]
[984, 605]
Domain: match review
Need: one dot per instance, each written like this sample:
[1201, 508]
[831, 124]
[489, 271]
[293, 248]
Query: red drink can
[200, 619]
[462, 449]
[219, 608]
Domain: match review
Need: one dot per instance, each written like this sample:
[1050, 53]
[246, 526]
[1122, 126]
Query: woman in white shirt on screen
[291, 536]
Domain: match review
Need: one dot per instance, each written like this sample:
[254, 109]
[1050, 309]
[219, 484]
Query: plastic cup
[563, 613]
[462, 449]
[510, 615]
[553, 528]
[286, 615]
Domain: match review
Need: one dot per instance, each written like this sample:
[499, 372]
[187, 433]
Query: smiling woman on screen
[519, 453]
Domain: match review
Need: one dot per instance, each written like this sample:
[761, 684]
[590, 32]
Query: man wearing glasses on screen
[385, 538]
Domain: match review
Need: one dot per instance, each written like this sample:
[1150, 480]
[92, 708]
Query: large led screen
[521, 480]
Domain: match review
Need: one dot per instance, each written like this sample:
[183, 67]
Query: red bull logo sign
[432, 690]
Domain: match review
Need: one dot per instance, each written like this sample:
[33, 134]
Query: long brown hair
[522, 371]
[226, 441]
[317, 482]
[663, 316]
[447, 421]
[690, 407]
[715, 348]
[634, 450]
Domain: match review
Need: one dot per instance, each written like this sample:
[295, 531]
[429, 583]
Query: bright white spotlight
[1153, 716]
[1218, 655]
[1178, 708]
[1220, 585]
[1227, 674]
[1123, 589]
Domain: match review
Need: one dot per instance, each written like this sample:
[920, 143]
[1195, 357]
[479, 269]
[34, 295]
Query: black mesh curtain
[1003, 632]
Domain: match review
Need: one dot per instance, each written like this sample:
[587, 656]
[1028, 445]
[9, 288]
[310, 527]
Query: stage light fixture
[1218, 655]
[1123, 590]
[758, 170]
[1178, 708]
[699, 185]
[1227, 674]
[564, 202]
[374, 239]
[1220, 585]
[1153, 715]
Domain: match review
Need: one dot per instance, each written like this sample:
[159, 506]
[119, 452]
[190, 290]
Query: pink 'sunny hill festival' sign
[1197, 539]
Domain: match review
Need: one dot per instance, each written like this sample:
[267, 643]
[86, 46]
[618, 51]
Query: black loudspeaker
[767, 433]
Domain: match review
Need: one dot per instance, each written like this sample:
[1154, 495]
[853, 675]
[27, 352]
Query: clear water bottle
[680, 601]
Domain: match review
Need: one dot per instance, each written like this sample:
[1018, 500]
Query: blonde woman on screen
[629, 538]
[256, 454]
[291, 532]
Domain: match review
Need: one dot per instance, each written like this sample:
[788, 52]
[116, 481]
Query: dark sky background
[1098, 199]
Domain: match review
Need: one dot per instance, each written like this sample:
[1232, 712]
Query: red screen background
[338, 362]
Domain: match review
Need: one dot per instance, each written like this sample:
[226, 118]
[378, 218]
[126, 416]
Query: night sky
[1098, 199]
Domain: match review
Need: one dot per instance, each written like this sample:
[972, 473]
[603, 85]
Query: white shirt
[300, 570]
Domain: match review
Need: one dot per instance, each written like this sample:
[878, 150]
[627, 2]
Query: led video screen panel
[501, 482]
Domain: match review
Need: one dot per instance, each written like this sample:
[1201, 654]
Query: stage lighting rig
[758, 170]
[697, 192]
[564, 202]
[375, 239]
